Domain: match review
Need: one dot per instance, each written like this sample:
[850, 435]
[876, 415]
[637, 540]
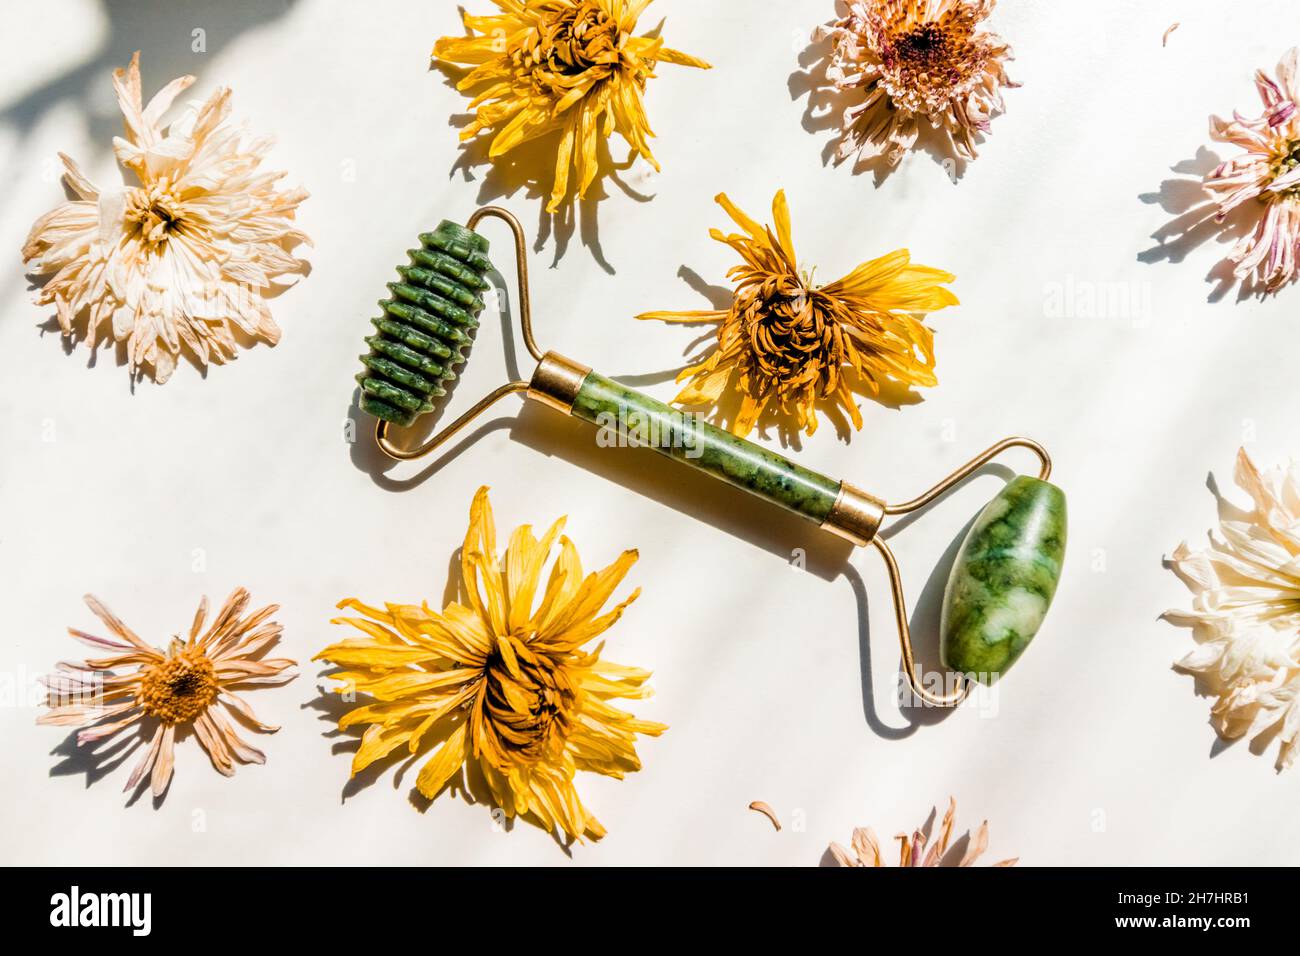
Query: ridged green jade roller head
[426, 324]
[1004, 577]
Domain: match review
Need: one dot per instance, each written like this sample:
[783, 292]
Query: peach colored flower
[912, 60]
[185, 258]
[1268, 172]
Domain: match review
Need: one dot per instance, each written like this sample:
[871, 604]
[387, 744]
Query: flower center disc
[928, 63]
[793, 341]
[529, 705]
[153, 213]
[569, 42]
[180, 688]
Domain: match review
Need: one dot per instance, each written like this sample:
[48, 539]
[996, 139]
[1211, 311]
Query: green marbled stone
[625, 416]
[425, 327]
[1004, 579]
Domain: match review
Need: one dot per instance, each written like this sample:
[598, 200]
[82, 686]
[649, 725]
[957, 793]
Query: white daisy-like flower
[184, 258]
[1245, 614]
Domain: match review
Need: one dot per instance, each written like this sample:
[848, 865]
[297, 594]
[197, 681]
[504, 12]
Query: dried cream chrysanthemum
[184, 258]
[912, 852]
[1245, 615]
[506, 685]
[194, 683]
[789, 344]
[1268, 172]
[567, 66]
[911, 60]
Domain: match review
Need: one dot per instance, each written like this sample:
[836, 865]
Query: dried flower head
[1269, 173]
[1245, 615]
[912, 850]
[185, 257]
[193, 683]
[789, 344]
[571, 67]
[914, 59]
[501, 685]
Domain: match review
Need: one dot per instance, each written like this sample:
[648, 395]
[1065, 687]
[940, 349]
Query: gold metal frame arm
[972, 466]
[521, 267]
[905, 635]
[401, 454]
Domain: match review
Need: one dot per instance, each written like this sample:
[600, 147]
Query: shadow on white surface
[165, 35]
[1193, 224]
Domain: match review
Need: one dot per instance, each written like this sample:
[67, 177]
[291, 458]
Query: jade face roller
[1004, 577]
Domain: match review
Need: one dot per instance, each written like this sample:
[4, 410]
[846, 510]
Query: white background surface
[777, 682]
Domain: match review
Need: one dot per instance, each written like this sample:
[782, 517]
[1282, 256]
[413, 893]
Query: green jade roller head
[1001, 583]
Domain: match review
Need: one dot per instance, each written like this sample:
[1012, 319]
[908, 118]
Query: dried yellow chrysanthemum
[543, 66]
[502, 686]
[790, 344]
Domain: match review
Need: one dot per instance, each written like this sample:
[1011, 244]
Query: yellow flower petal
[449, 758]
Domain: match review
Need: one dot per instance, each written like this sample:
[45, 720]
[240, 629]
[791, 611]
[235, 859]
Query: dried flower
[186, 257]
[867, 850]
[913, 59]
[566, 66]
[501, 686]
[1268, 172]
[758, 806]
[789, 344]
[1245, 615]
[193, 683]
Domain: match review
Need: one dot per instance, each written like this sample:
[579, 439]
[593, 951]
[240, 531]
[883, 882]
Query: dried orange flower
[501, 686]
[912, 850]
[185, 258]
[567, 66]
[913, 60]
[789, 344]
[193, 683]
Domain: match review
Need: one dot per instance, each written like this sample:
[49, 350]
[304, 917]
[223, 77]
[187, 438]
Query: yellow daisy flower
[569, 66]
[504, 687]
[788, 344]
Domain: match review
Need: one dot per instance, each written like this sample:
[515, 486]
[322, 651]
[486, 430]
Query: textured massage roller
[1001, 583]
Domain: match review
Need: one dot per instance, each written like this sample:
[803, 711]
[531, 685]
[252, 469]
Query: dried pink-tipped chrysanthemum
[194, 683]
[912, 60]
[1268, 172]
[912, 852]
[184, 258]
